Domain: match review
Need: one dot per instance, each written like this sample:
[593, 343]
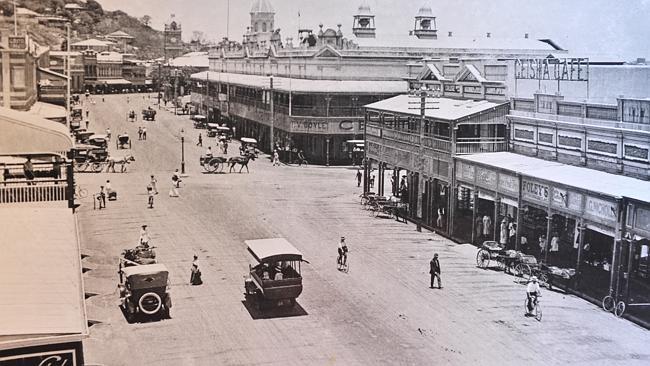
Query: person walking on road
[200, 143]
[173, 192]
[276, 158]
[358, 176]
[140, 133]
[195, 276]
[150, 194]
[101, 197]
[144, 133]
[153, 184]
[144, 237]
[225, 147]
[434, 271]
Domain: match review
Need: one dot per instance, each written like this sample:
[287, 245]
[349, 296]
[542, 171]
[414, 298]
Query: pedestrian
[108, 134]
[555, 247]
[225, 147]
[140, 133]
[372, 181]
[434, 271]
[195, 276]
[150, 193]
[358, 176]
[173, 192]
[276, 158]
[153, 184]
[101, 197]
[112, 195]
[28, 171]
[144, 237]
[512, 234]
[87, 123]
[200, 143]
[503, 232]
[87, 113]
[144, 133]
[542, 245]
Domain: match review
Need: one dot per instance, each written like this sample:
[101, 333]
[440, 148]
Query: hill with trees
[89, 22]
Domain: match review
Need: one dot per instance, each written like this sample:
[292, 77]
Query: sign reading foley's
[562, 69]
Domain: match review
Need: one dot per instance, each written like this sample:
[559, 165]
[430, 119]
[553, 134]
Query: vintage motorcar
[76, 116]
[212, 129]
[98, 140]
[149, 114]
[276, 277]
[199, 121]
[144, 289]
[224, 133]
[248, 146]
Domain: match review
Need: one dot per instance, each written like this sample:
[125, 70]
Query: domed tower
[173, 43]
[425, 23]
[363, 25]
[262, 21]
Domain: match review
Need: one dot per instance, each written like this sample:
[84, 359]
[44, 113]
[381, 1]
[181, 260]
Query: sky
[613, 28]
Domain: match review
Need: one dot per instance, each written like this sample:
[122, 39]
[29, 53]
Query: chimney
[526, 35]
[450, 34]
[489, 34]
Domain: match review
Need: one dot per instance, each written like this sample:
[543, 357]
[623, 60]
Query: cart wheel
[523, 270]
[511, 268]
[377, 212]
[212, 166]
[619, 309]
[608, 303]
[482, 258]
[80, 167]
[97, 167]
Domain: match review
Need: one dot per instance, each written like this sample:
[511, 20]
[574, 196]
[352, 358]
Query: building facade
[19, 62]
[314, 100]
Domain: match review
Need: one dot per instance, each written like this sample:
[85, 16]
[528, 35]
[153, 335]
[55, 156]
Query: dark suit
[434, 271]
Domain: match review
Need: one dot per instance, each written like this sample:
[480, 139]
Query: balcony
[50, 183]
[474, 145]
[552, 119]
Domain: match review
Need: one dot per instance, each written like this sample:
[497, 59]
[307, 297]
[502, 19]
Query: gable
[469, 73]
[327, 51]
[430, 72]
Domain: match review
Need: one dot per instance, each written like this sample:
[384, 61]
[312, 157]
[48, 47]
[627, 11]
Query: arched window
[263, 27]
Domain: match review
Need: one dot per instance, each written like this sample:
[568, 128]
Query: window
[255, 28]
[263, 27]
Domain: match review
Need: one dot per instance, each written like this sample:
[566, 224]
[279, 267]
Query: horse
[241, 160]
[123, 160]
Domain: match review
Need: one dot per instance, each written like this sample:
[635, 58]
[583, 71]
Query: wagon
[276, 277]
[224, 133]
[123, 141]
[98, 140]
[212, 164]
[89, 157]
[212, 129]
[491, 251]
[149, 114]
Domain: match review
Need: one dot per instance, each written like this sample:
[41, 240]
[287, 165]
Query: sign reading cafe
[562, 69]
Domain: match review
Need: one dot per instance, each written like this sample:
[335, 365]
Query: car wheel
[150, 303]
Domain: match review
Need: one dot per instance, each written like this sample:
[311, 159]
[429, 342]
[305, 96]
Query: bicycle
[79, 192]
[537, 309]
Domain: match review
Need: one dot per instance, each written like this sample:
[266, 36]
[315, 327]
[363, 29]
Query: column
[519, 214]
[474, 213]
[496, 225]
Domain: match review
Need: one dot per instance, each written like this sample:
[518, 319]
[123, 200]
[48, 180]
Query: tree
[6, 8]
[198, 37]
[145, 20]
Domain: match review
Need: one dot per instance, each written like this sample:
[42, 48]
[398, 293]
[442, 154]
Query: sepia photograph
[282, 182]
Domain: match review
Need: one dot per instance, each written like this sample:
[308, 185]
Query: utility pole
[67, 57]
[272, 117]
[15, 20]
[175, 84]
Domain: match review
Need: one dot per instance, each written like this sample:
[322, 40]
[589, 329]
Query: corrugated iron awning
[24, 133]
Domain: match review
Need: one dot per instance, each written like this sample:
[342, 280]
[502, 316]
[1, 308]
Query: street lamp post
[182, 151]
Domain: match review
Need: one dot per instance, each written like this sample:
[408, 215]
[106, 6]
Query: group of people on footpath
[152, 187]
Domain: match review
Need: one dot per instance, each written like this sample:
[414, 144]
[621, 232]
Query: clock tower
[173, 43]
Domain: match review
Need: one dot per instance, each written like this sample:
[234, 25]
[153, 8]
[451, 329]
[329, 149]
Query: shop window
[644, 261]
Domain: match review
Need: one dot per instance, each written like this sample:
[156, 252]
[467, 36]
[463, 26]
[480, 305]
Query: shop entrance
[596, 267]
[463, 213]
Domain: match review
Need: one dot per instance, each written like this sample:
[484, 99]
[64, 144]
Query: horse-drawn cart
[212, 164]
[123, 141]
[149, 114]
[89, 157]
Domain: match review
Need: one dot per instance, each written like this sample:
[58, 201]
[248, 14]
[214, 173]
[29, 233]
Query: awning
[48, 111]
[272, 250]
[41, 288]
[113, 82]
[306, 85]
[23, 133]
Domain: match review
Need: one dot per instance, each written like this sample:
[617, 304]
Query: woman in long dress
[195, 277]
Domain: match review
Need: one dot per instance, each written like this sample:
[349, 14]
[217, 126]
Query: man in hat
[532, 292]
[343, 252]
[434, 271]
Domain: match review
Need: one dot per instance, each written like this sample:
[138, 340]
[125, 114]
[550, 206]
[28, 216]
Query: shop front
[570, 229]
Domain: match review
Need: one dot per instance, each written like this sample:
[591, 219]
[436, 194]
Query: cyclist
[301, 158]
[532, 292]
[343, 252]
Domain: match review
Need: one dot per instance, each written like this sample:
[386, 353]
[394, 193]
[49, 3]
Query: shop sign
[486, 178]
[373, 131]
[564, 69]
[642, 219]
[601, 209]
[55, 358]
[466, 172]
[309, 126]
[508, 183]
[535, 191]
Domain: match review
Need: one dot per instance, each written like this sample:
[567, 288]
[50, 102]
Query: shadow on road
[271, 311]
